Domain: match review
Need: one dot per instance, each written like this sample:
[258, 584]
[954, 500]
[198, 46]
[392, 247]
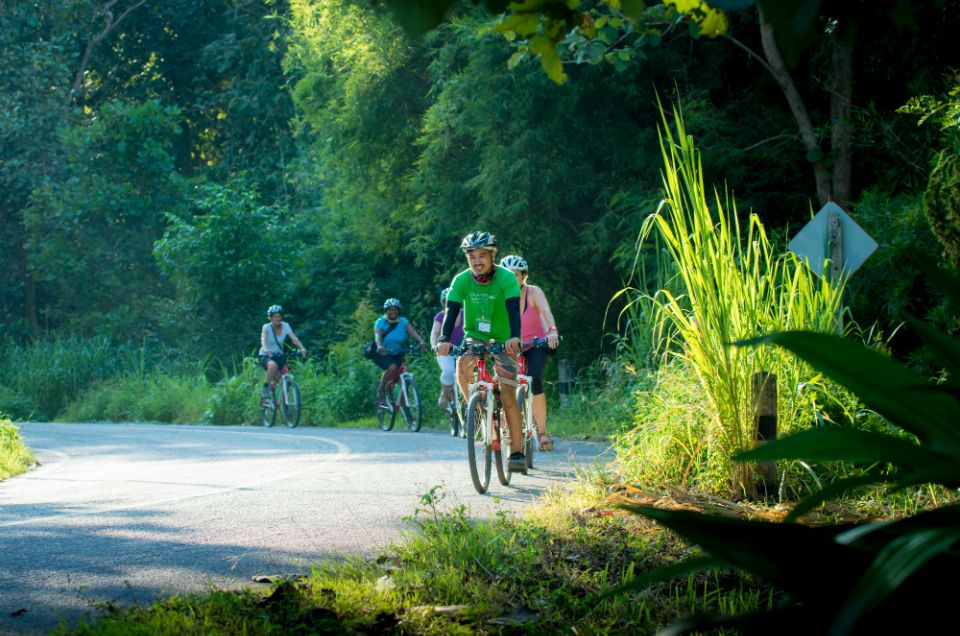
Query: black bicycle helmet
[479, 240]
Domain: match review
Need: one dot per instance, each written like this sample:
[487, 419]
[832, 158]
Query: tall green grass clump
[728, 284]
[47, 374]
[15, 456]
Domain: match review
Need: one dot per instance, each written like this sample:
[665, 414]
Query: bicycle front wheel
[526, 424]
[268, 411]
[412, 412]
[291, 402]
[386, 414]
[501, 447]
[478, 453]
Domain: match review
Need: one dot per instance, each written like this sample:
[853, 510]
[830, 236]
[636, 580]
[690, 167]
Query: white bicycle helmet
[392, 302]
[274, 309]
[514, 262]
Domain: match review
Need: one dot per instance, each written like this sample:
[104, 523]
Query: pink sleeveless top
[530, 324]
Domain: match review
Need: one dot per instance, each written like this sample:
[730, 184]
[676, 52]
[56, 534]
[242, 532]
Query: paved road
[123, 513]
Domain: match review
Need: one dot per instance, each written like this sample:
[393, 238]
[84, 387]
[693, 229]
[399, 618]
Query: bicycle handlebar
[477, 348]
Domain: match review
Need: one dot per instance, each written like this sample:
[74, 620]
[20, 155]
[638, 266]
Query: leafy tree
[229, 258]
[90, 236]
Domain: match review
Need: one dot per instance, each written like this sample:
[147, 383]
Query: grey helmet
[514, 262]
[392, 302]
[274, 309]
[479, 240]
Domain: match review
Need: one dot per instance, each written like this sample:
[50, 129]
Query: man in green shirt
[490, 298]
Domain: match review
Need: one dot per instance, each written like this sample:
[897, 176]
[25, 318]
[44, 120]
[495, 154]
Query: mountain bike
[486, 422]
[284, 397]
[525, 399]
[403, 397]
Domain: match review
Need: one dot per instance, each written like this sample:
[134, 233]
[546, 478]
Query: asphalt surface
[124, 514]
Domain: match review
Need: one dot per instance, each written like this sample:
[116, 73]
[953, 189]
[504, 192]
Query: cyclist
[390, 332]
[490, 298]
[447, 364]
[272, 336]
[536, 321]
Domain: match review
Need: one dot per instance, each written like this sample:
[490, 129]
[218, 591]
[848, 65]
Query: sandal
[545, 442]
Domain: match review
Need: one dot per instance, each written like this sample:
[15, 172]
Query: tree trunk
[778, 68]
[841, 95]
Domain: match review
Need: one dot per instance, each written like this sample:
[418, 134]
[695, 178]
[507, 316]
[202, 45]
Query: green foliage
[729, 285]
[90, 237]
[877, 568]
[15, 457]
[49, 374]
[942, 204]
[235, 399]
[160, 397]
[229, 260]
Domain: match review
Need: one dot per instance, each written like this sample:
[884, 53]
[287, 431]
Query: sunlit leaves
[710, 21]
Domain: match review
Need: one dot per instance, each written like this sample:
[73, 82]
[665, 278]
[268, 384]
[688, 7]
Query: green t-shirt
[485, 303]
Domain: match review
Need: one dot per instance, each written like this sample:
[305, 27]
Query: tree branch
[109, 26]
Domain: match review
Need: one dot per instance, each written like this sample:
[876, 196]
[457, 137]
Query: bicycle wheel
[454, 420]
[525, 425]
[291, 402]
[478, 453]
[268, 411]
[412, 412]
[501, 446]
[386, 413]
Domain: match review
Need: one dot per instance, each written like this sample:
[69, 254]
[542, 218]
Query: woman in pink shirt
[536, 321]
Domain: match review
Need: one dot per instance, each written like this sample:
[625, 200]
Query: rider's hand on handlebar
[443, 348]
[553, 339]
[512, 346]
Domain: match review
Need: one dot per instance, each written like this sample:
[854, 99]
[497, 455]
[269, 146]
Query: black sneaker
[517, 463]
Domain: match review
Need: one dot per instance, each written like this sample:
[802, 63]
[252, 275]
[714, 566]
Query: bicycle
[525, 399]
[284, 397]
[404, 397]
[456, 413]
[486, 423]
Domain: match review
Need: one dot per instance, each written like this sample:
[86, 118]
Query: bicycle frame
[528, 426]
[404, 378]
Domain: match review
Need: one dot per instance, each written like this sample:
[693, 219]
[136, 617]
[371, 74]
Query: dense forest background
[169, 169]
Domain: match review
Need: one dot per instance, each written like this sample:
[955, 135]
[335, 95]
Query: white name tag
[483, 326]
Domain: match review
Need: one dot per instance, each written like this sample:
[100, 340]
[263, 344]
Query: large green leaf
[945, 349]
[898, 560]
[901, 395]
[835, 443]
[791, 557]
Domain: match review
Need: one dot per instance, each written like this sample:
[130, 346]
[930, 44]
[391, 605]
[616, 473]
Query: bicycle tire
[527, 433]
[386, 415]
[454, 419]
[268, 412]
[476, 420]
[291, 402]
[501, 453]
[412, 410]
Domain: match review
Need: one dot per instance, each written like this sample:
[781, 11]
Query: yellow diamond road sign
[813, 242]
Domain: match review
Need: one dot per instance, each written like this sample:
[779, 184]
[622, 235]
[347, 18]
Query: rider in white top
[272, 336]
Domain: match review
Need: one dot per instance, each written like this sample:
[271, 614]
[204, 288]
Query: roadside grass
[15, 456]
[550, 572]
